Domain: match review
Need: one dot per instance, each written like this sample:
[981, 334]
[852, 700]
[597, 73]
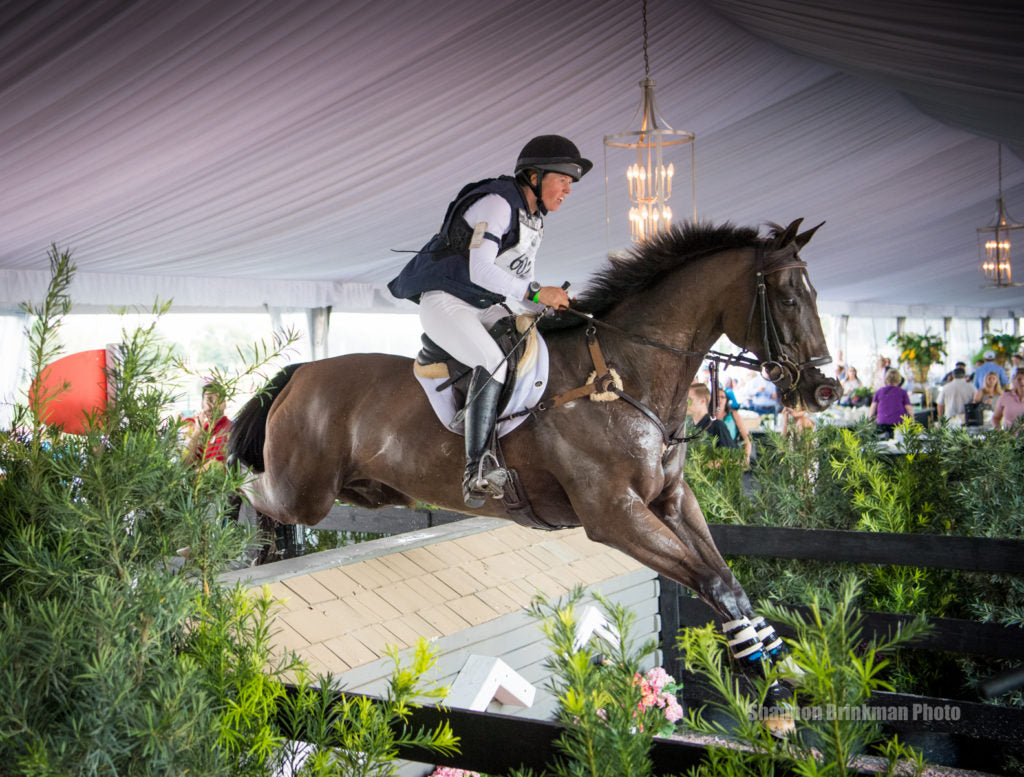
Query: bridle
[776, 366]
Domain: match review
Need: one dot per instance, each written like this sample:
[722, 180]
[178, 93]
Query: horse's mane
[643, 266]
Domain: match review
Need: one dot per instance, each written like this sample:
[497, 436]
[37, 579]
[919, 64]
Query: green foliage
[114, 662]
[716, 477]
[838, 671]
[366, 729]
[1004, 345]
[608, 731]
[942, 481]
[918, 350]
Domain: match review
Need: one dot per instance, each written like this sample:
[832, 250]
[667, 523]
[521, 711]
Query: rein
[776, 367]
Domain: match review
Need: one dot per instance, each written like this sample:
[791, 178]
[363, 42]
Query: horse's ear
[805, 237]
[786, 237]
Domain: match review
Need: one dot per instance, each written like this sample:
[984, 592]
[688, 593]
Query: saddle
[435, 363]
[446, 381]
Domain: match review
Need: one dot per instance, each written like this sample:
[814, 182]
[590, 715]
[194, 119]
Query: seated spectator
[890, 404]
[850, 383]
[955, 394]
[990, 390]
[697, 404]
[987, 366]
[726, 413]
[207, 439]
[1010, 406]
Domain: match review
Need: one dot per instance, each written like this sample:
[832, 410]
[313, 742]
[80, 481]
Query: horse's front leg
[753, 643]
[749, 635]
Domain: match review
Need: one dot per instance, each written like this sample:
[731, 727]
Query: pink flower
[658, 678]
[449, 771]
[673, 711]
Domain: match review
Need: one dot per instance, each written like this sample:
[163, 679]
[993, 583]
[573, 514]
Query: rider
[478, 269]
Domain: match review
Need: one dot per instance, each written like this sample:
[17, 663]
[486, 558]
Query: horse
[358, 428]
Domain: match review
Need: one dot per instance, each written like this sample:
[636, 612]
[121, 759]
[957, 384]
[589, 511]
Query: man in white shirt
[955, 394]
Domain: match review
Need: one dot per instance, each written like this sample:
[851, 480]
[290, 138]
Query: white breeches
[461, 330]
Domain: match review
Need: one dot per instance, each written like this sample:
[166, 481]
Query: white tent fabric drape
[242, 153]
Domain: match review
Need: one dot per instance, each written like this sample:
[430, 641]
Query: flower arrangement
[919, 351]
[658, 689]
[1003, 345]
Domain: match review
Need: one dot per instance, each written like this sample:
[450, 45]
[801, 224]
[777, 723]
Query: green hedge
[943, 481]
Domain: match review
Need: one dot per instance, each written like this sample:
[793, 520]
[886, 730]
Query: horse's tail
[249, 430]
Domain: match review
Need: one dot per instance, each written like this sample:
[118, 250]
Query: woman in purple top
[890, 404]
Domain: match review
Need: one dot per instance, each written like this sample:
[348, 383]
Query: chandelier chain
[647, 64]
[1000, 166]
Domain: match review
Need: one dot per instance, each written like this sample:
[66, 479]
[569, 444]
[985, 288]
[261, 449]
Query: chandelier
[994, 242]
[647, 174]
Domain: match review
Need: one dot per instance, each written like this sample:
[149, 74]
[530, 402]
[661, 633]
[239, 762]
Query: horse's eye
[787, 302]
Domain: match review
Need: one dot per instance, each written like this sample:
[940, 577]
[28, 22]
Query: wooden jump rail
[492, 743]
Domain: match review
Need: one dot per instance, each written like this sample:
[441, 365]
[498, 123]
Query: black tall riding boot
[483, 478]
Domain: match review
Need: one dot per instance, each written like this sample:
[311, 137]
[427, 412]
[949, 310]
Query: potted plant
[920, 352]
[1004, 346]
[860, 397]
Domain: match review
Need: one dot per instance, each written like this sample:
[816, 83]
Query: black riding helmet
[550, 154]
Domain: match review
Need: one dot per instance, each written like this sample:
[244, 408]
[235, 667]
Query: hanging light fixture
[994, 242]
[656, 159]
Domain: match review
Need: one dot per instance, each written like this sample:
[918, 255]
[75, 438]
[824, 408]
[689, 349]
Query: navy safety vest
[443, 263]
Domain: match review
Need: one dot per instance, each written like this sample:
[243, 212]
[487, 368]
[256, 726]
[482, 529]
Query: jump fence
[979, 731]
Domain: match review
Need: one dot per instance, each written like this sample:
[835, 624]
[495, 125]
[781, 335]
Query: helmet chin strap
[536, 192]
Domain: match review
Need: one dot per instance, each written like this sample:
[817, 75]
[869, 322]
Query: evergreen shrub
[943, 480]
[112, 660]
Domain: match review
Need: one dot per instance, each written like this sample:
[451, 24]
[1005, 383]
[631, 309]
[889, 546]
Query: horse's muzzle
[818, 392]
[826, 395]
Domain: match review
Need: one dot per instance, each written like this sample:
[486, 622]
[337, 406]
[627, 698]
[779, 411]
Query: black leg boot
[483, 478]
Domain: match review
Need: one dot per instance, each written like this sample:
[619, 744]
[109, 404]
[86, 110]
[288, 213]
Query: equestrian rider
[479, 268]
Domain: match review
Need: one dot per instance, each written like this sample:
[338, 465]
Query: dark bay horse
[359, 429]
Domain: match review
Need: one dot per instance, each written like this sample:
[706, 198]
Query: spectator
[1010, 406]
[955, 394]
[762, 396]
[726, 413]
[890, 404]
[987, 366]
[884, 365]
[698, 401]
[850, 383]
[950, 375]
[990, 390]
[207, 439]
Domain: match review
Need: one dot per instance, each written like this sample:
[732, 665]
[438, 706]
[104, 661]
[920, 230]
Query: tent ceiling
[233, 154]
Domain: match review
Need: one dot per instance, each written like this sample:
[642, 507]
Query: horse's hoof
[780, 724]
[778, 710]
